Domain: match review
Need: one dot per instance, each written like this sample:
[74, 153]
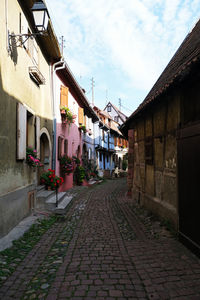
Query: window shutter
[85, 121]
[21, 131]
[115, 140]
[63, 96]
[80, 115]
[60, 140]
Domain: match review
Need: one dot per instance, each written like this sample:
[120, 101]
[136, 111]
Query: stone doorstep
[50, 203]
[62, 205]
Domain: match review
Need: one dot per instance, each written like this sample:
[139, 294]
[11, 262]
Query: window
[103, 135]
[66, 147]
[116, 118]
[100, 157]
[109, 108]
[30, 130]
[60, 143]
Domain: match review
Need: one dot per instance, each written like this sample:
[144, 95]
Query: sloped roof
[121, 114]
[179, 66]
[113, 126]
[103, 112]
[67, 77]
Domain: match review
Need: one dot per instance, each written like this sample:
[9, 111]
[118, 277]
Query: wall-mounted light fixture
[41, 19]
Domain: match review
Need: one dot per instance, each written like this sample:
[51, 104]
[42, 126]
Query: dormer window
[109, 108]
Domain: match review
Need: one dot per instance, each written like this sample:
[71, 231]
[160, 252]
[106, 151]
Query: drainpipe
[53, 92]
[6, 18]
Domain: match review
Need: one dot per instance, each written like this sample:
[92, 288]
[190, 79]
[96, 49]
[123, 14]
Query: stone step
[50, 203]
[42, 196]
[40, 188]
[62, 206]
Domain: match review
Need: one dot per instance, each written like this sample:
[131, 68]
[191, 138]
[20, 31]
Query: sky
[124, 45]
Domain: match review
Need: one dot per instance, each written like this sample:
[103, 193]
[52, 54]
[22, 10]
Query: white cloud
[137, 37]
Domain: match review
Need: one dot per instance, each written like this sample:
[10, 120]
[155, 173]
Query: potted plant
[31, 158]
[83, 128]
[67, 115]
[66, 164]
[79, 175]
[50, 180]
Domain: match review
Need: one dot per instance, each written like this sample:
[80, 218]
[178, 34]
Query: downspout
[53, 91]
[6, 17]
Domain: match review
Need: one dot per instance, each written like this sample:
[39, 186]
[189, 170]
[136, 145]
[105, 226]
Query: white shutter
[21, 131]
[38, 136]
[90, 124]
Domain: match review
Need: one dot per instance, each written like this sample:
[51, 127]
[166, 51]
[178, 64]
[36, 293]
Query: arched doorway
[45, 149]
[84, 153]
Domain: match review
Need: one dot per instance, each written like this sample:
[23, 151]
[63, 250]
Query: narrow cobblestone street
[101, 249]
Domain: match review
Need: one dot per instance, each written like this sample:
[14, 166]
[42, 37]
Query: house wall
[154, 182]
[17, 87]
[69, 132]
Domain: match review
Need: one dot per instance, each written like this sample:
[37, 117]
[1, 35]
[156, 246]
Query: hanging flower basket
[82, 128]
[66, 165]
[31, 158]
[67, 116]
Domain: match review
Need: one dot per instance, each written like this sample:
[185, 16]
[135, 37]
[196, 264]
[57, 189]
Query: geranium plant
[31, 158]
[66, 164]
[50, 179]
[79, 175]
[83, 128]
[68, 116]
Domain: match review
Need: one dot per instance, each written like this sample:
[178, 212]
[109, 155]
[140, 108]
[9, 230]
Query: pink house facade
[69, 138]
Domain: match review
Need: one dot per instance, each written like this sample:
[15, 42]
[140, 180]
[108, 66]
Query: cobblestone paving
[102, 249]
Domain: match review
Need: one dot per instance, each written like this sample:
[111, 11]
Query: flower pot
[62, 112]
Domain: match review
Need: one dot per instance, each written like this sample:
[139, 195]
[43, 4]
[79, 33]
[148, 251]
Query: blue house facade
[105, 134]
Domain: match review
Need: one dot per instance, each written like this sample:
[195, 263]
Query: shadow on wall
[13, 48]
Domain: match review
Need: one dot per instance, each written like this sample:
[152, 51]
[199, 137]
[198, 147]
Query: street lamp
[40, 15]
[41, 19]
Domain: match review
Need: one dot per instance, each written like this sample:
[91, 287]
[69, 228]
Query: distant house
[164, 143]
[115, 113]
[110, 144]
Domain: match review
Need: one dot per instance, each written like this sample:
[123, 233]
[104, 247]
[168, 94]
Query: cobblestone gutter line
[25, 278]
[138, 289]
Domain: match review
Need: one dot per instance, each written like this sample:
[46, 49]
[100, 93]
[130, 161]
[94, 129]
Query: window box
[36, 75]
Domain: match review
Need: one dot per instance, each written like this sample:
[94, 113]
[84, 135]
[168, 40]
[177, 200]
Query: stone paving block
[101, 250]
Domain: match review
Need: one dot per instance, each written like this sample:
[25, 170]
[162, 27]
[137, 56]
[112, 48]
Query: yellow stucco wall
[15, 76]
[17, 86]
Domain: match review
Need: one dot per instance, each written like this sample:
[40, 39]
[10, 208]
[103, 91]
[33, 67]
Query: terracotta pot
[62, 111]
